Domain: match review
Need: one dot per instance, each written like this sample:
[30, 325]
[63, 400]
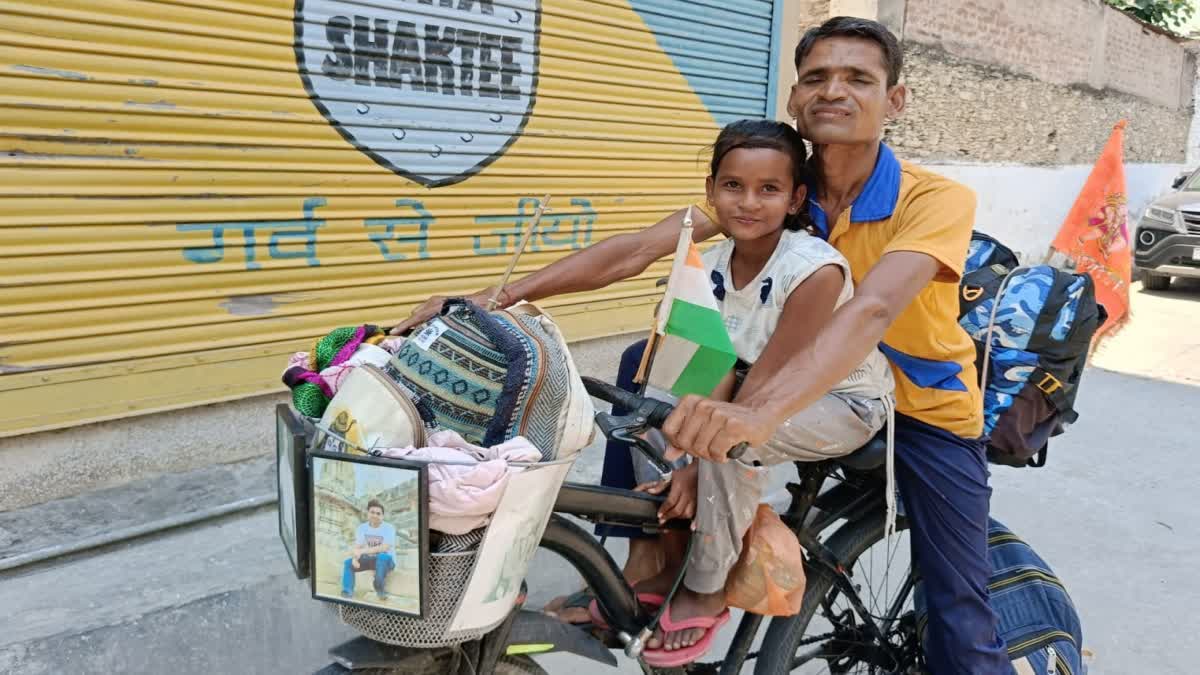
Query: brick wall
[1144, 63]
[1057, 41]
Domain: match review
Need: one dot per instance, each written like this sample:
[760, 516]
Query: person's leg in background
[384, 564]
[618, 472]
[348, 577]
[365, 562]
[943, 481]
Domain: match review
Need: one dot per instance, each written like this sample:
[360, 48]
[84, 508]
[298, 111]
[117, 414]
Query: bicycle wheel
[828, 636]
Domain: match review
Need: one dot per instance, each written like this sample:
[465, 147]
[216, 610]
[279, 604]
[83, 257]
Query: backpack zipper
[1055, 663]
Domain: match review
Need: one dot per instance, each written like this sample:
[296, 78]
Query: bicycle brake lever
[624, 428]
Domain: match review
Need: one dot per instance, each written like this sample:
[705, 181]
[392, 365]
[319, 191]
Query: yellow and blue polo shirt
[904, 207]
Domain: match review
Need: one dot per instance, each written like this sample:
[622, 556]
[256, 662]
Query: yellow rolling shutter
[192, 190]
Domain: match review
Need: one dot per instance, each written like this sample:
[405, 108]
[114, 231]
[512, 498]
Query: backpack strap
[1055, 392]
[1039, 460]
[516, 354]
[1055, 301]
[991, 325]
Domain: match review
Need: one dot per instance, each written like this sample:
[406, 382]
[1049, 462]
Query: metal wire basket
[448, 575]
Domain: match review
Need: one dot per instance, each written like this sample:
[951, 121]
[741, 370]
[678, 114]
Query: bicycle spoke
[841, 642]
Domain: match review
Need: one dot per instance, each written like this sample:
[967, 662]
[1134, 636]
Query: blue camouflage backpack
[1036, 617]
[1032, 328]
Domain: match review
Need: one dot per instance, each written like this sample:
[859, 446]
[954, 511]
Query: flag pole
[660, 320]
[512, 263]
[681, 251]
[643, 370]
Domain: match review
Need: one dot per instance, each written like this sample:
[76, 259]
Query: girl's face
[753, 192]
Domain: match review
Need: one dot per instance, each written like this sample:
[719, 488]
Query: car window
[1192, 184]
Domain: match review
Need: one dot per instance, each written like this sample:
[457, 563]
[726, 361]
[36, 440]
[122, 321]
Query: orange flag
[1096, 232]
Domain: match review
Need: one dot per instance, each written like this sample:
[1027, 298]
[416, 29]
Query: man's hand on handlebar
[709, 429]
[433, 306]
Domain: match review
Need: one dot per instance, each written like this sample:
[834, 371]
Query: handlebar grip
[612, 393]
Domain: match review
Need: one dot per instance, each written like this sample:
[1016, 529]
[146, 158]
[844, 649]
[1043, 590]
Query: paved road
[1115, 510]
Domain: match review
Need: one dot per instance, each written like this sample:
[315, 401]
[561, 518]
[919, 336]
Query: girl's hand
[681, 500]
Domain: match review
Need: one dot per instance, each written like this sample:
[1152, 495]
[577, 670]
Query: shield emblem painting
[434, 90]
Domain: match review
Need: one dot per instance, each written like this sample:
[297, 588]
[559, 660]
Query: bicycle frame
[811, 512]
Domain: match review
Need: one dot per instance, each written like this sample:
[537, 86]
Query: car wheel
[1155, 282]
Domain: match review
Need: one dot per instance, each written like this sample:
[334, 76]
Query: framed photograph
[370, 525]
[291, 473]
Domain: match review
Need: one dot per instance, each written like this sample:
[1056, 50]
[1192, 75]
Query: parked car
[1167, 241]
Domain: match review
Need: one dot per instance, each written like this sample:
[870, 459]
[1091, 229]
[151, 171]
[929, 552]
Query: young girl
[776, 285]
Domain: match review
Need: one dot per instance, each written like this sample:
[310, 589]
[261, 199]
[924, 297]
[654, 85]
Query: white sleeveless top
[752, 312]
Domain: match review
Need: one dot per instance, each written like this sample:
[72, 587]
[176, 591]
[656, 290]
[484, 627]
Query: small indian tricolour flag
[694, 352]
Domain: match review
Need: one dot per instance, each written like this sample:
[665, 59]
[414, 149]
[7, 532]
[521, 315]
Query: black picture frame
[291, 484]
[417, 544]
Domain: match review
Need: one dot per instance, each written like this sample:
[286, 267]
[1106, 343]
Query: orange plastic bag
[768, 578]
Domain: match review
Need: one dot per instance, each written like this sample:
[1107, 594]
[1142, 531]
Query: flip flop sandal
[662, 658]
[581, 599]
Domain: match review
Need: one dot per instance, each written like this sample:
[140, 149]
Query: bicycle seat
[868, 457]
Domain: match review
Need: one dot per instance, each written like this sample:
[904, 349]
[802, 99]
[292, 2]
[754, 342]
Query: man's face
[841, 94]
[375, 516]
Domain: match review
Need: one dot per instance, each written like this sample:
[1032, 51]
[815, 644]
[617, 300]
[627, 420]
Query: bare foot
[659, 584]
[646, 560]
[686, 604]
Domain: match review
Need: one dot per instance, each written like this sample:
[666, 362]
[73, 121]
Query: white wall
[1024, 206]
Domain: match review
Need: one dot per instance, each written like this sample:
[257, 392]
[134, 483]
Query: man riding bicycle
[904, 231]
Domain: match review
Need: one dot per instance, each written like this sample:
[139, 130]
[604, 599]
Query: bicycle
[862, 629]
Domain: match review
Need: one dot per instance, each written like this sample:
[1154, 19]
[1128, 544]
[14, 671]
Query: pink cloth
[298, 360]
[393, 344]
[463, 496]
